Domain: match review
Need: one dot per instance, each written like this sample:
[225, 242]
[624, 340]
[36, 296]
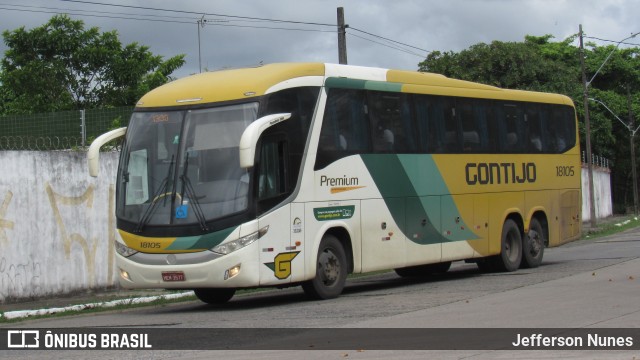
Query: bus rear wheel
[533, 245]
[510, 255]
[215, 296]
[331, 270]
[511, 251]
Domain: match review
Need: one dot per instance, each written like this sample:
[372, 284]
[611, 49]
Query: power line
[387, 39]
[249, 18]
[387, 45]
[197, 13]
[141, 17]
[612, 41]
[227, 22]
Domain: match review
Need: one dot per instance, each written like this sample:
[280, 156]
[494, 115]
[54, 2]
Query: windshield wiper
[162, 191]
[186, 186]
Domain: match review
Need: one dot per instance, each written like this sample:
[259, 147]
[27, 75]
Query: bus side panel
[383, 243]
[276, 254]
[480, 225]
[456, 227]
[424, 245]
[570, 215]
[298, 229]
[501, 205]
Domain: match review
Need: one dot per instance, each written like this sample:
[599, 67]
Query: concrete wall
[57, 224]
[602, 192]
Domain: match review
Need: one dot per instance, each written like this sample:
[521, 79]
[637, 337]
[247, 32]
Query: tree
[63, 66]
[542, 65]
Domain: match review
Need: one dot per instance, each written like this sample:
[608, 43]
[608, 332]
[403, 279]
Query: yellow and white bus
[301, 173]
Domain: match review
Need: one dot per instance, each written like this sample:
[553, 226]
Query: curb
[107, 304]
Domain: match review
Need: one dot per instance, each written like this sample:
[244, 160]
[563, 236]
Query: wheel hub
[330, 267]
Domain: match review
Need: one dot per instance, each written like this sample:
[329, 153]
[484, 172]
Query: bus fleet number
[565, 171]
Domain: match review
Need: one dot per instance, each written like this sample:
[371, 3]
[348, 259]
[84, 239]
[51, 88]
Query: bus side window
[561, 129]
[272, 180]
[391, 122]
[533, 123]
[511, 129]
[345, 127]
[447, 114]
[473, 120]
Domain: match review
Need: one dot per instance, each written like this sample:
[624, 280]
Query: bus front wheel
[331, 270]
[215, 296]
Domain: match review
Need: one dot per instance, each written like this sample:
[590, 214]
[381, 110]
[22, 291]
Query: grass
[612, 227]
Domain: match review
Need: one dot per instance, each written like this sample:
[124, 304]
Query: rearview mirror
[93, 155]
[252, 133]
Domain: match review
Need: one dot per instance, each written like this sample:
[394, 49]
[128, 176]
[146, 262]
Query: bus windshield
[182, 167]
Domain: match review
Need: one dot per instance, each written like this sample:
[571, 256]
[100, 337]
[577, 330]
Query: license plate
[173, 276]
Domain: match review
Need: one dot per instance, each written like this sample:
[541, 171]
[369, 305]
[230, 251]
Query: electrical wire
[612, 41]
[197, 13]
[387, 39]
[222, 20]
[387, 45]
[154, 18]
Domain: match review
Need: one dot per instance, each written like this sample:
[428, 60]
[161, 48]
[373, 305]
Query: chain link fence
[64, 130]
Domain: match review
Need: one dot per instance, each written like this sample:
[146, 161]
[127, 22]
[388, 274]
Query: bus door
[277, 255]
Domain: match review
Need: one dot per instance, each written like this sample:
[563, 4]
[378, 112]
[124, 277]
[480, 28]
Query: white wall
[57, 224]
[602, 192]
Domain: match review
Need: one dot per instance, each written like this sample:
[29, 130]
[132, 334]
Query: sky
[235, 34]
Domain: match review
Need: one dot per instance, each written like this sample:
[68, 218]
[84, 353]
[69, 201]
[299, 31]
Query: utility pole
[342, 37]
[632, 138]
[200, 23]
[587, 127]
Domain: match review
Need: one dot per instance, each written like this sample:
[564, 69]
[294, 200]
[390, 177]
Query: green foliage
[62, 66]
[540, 64]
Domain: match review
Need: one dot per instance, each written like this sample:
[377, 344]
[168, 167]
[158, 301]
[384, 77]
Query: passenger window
[512, 132]
[272, 170]
[561, 129]
[345, 127]
[533, 124]
[391, 123]
[448, 116]
[473, 119]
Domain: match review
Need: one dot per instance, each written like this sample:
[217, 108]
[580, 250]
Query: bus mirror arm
[93, 155]
[251, 134]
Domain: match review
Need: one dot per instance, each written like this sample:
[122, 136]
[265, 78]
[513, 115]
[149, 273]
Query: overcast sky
[426, 25]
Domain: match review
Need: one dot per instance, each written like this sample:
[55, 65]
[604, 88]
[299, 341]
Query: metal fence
[60, 130]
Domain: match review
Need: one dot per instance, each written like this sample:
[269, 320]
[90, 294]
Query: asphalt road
[585, 284]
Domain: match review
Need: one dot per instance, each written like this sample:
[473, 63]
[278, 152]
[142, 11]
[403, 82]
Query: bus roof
[244, 83]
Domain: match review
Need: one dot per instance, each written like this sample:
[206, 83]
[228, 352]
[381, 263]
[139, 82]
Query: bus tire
[533, 245]
[424, 270]
[215, 296]
[331, 270]
[511, 247]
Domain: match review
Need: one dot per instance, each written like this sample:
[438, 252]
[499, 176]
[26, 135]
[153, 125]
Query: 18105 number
[562, 171]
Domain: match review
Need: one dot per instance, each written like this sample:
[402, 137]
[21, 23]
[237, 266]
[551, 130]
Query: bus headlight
[124, 250]
[234, 245]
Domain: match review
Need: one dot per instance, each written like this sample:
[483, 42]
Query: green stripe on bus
[206, 241]
[346, 83]
[411, 177]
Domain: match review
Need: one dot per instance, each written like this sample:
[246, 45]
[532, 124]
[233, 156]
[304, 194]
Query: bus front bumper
[190, 271]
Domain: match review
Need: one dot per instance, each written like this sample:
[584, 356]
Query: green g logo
[281, 265]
